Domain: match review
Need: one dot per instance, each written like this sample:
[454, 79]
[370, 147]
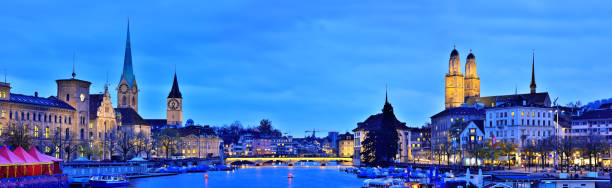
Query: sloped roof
[175, 92]
[10, 156]
[95, 101]
[595, 114]
[130, 117]
[460, 111]
[38, 156]
[128, 70]
[50, 102]
[22, 154]
[375, 122]
[541, 99]
[479, 124]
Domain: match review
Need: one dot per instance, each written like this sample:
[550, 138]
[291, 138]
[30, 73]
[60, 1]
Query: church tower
[127, 90]
[472, 81]
[174, 113]
[533, 86]
[454, 89]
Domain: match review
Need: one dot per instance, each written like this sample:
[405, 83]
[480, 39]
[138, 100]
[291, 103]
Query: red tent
[4, 167]
[31, 162]
[46, 166]
[15, 170]
[56, 163]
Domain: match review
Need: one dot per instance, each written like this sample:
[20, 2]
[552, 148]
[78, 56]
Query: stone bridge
[285, 160]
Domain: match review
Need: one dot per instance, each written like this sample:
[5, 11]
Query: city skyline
[271, 72]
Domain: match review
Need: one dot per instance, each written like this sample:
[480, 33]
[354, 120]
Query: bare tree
[18, 136]
[125, 144]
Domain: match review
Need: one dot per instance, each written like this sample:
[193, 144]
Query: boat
[108, 180]
[383, 183]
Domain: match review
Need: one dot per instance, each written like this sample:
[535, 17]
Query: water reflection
[264, 177]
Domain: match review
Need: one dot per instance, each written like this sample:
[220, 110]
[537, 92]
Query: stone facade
[205, 146]
[457, 86]
[346, 145]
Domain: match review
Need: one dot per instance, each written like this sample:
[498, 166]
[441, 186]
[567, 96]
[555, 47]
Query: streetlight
[556, 137]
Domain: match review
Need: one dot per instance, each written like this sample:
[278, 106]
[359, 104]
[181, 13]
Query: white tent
[137, 159]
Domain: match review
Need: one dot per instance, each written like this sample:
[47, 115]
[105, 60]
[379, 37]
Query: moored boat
[108, 181]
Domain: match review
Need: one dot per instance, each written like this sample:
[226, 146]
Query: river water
[264, 177]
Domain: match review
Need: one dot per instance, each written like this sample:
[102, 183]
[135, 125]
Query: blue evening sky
[309, 64]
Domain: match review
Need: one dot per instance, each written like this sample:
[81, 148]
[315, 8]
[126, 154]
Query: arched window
[133, 101]
[67, 97]
[82, 134]
[60, 119]
[67, 132]
[47, 132]
[124, 100]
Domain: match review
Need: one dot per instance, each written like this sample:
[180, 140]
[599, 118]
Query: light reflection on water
[264, 177]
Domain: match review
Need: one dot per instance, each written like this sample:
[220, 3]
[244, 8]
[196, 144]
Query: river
[264, 177]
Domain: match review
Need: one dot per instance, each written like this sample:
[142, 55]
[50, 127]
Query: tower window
[124, 101]
[133, 101]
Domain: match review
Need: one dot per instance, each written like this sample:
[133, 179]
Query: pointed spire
[106, 84]
[386, 95]
[533, 86]
[175, 92]
[128, 71]
[73, 61]
[387, 107]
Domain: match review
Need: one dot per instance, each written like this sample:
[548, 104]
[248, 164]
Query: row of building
[250, 145]
[469, 121]
[76, 116]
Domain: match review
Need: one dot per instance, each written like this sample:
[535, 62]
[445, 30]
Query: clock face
[123, 88]
[82, 97]
[173, 104]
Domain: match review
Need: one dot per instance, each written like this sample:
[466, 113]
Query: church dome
[454, 53]
[471, 56]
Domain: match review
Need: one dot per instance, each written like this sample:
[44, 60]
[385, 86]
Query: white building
[519, 123]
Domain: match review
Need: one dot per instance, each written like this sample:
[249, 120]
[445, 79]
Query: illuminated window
[36, 131]
[472, 138]
[472, 130]
[512, 114]
[3, 113]
[47, 149]
[532, 114]
[90, 125]
[0, 129]
[522, 113]
[47, 132]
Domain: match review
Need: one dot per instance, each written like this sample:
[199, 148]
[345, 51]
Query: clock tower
[127, 90]
[174, 114]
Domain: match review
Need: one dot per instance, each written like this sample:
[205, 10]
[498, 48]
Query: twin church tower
[458, 86]
[127, 90]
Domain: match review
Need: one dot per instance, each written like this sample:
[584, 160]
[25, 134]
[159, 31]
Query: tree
[507, 148]
[566, 149]
[70, 145]
[125, 143]
[593, 145]
[369, 149]
[18, 137]
[381, 143]
[265, 126]
[145, 145]
[167, 140]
